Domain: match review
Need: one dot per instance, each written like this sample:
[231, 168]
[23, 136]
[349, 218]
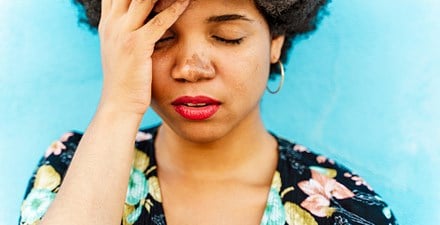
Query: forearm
[95, 185]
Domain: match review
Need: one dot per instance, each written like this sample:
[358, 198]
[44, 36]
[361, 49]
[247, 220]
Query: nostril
[193, 69]
[193, 73]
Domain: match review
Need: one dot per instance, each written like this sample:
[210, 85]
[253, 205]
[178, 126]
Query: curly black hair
[285, 17]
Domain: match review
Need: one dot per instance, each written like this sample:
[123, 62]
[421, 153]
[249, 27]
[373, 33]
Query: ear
[275, 48]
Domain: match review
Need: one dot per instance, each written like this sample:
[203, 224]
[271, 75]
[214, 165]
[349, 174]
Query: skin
[199, 61]
[205, 158]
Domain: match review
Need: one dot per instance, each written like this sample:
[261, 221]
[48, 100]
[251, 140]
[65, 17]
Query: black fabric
[311, 189]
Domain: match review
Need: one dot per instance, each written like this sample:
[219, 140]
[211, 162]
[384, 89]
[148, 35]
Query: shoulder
[325, 190]
[52, 167]
[55, 162]
[60, 152]
[47, 178]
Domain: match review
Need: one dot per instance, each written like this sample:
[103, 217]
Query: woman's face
[211, 67]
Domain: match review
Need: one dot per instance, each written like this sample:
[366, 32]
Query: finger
[138, 12]
[105, 7]
[120, 6]
[156, 27]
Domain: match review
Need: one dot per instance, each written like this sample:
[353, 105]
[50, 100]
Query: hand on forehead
[163, 4]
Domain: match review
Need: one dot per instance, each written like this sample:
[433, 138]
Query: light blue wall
[363, 90]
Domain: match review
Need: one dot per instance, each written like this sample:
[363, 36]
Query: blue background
[364, 90]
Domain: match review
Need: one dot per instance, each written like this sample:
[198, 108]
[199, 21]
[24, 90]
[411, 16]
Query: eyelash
[164, 39]
[229, 41]
[224, 40]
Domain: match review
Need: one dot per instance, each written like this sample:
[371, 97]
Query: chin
[203, 132]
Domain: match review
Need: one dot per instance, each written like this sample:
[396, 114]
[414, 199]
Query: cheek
[248, 72]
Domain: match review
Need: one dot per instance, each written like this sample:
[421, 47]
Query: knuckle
[157, 21]
[104, 28]
[173, 9]
[101, 29]
[101, 26]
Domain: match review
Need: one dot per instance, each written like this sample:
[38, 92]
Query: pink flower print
[66, 136]
[321, 190]
[358, 180]
[55, 148]
[300, 148]
[318, 205]
[142, 136]
[322, 159]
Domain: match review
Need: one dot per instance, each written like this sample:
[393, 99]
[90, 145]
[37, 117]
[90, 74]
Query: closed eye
[163, 42]
[229, 41]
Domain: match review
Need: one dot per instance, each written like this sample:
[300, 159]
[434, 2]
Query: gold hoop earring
[280, 85]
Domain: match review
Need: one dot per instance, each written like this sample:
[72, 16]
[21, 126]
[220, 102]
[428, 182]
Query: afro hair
[290, 18]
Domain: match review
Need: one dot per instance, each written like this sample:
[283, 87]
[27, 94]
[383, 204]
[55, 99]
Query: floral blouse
[307, 189]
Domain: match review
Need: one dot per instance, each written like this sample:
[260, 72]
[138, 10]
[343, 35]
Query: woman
[202, 65]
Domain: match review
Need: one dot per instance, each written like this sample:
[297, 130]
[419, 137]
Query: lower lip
[196, 113]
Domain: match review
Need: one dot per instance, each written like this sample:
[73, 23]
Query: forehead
[208, 12]
[163, 4]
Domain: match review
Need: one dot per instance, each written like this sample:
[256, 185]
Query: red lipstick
[196, 108]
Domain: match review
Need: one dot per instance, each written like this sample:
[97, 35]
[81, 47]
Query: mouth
[195, 104]
[196, 108]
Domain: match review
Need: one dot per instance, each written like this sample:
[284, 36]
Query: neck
[241, 149]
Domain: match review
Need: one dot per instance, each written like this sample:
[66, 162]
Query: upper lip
[195, 101]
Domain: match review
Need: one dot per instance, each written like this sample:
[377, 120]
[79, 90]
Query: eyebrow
[227, 17]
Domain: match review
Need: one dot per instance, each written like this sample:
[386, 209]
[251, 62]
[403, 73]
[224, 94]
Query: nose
[193, 67]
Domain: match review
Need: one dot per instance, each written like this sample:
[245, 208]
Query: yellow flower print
[128, 210]
[141, 160]
[331, 173]
[148, 204]
[154, 188]
[276, 181]
[47, 178]
[134, 216]
[295, 215]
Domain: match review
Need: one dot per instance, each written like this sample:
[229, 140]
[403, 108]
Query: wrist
[114, 113]
[126, 109]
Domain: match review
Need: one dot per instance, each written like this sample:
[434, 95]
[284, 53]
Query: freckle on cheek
[240, 86]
